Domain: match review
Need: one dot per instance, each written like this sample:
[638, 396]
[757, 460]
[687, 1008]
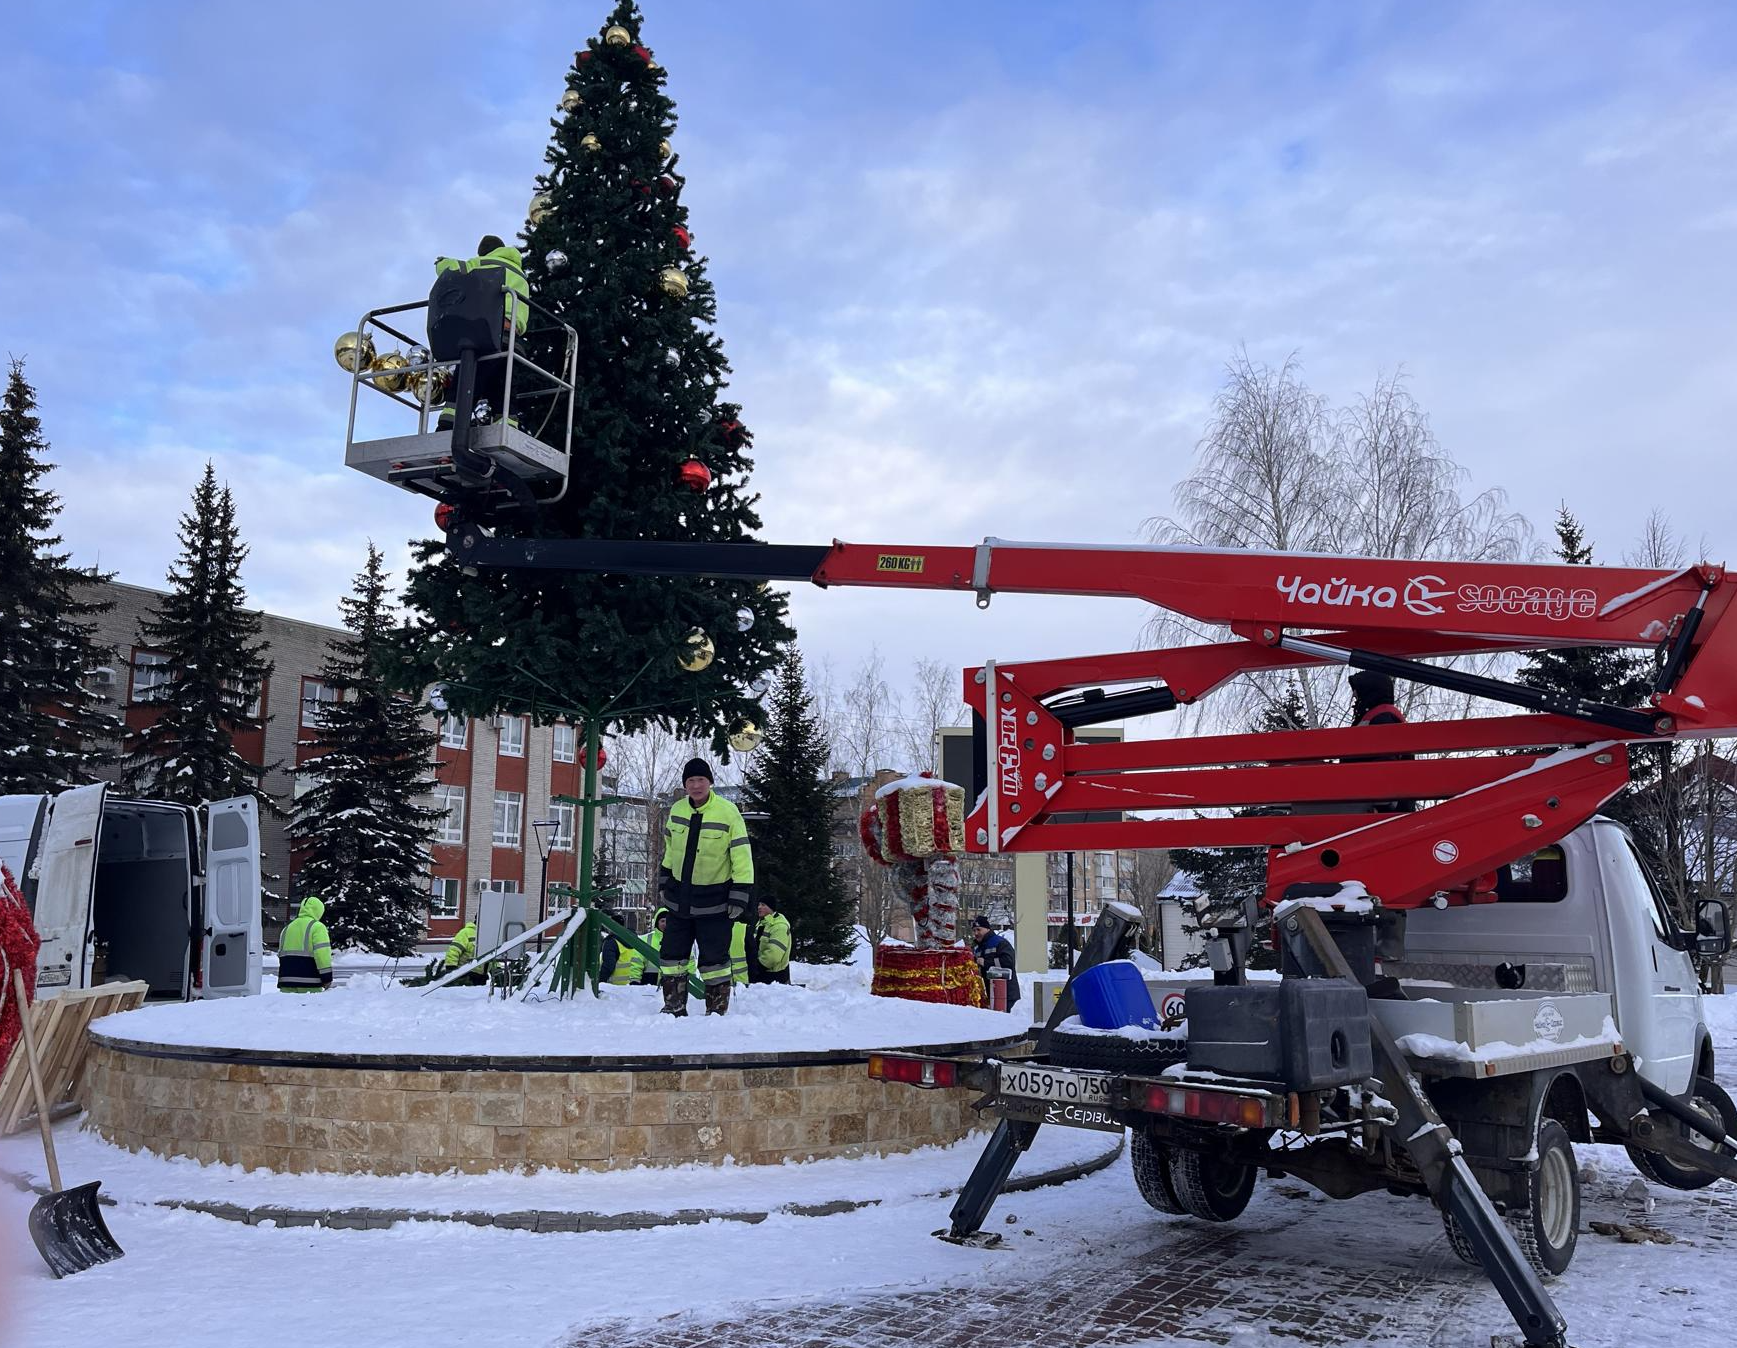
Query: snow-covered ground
[364, 1014]
[1087, 1263]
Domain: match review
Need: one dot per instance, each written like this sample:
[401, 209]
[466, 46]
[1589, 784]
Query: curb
[382, 1219]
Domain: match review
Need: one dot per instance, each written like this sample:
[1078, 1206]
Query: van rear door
[21, 820]
[65, 882]
[230, 957]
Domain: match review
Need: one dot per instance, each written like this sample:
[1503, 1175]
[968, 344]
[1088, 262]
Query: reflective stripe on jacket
[707, 863]
[304, 951]
[772, 942]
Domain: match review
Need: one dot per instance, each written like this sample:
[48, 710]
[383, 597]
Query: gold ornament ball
[617, 36]
[542, 205]
[674, 282]
[429, 386]
[570, 100]
[354, 351]
[384, 368]
[697, 651]
[590, 142]
[665, 149]
[747, 738]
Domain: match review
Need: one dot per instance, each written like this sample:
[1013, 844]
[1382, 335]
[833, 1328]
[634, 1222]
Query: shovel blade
[69, 1230]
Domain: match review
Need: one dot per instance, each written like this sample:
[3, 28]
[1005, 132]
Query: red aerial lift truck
[1342, 1094]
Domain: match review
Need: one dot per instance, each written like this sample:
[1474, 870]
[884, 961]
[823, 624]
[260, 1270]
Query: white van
[139, 889]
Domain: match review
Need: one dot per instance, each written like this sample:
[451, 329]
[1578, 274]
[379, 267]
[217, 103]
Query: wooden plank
[62, 1027]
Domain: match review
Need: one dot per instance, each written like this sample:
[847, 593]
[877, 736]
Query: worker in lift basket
[491, 375]
[304, 951]
[993, 951]
[705, 881]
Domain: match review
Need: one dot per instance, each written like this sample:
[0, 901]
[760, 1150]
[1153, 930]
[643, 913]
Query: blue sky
[979, 265]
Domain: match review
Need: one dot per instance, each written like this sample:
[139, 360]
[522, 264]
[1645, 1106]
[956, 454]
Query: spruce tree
[216, 667]
[53, 732]
[360, 835]
[1598, 673]
[787, 780]
[608, 250]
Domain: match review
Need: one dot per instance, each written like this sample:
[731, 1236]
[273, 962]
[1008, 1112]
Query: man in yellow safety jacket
[772, 945]
[622, 962]
[460, 951]
[494, 255]
[705, 881]
[304, 951]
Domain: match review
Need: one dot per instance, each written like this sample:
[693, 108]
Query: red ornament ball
[443, 516]
[731, 431]
[694, 475]
[667, 185]
[582, 56]
[684, 238]
[642, 54]
[584, 756]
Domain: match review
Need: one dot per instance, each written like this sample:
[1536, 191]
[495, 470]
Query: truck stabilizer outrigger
[1460, 798]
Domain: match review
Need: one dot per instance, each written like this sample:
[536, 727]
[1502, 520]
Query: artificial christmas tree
[787, 780]
[656, 454]
[53, 732]
[213, 665]
[1607, 674]
[360, 837]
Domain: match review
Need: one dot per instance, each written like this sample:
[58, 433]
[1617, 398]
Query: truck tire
[1709, 1098]
[1112, 1053]
[1151, 1161]
[1211, 1189]
[1548, 1228]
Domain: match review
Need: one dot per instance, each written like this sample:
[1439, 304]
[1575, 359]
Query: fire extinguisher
[998, 980]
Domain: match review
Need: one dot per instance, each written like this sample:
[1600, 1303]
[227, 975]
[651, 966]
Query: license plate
[1059, 1112]
[1047, 1083]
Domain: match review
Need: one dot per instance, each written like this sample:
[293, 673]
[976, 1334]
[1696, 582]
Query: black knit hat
[697, 767]
[981, 921]
[1371, 687]
[488, 243]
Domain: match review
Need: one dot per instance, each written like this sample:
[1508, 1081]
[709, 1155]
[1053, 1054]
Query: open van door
[230, 956]
[65, 884]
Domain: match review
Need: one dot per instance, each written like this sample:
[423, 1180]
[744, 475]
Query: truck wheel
[1209, 1188]
[1549, 1227]
[1151, 1160]
[1709, 1098]
[1112, 1053]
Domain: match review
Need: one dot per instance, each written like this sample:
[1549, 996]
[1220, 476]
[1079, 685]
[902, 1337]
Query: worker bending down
[705, 881]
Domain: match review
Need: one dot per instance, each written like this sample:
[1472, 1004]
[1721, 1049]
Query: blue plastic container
[1113, 995]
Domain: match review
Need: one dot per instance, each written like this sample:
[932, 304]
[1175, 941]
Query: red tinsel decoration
[18, 946]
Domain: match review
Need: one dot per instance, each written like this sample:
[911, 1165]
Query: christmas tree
[215, 667]
[656, 454]
[787, 780]
[52, 730]
[1597, 673]
[360, 836]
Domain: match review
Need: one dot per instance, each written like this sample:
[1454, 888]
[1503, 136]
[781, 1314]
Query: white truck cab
[139, 889]
[1580, 916]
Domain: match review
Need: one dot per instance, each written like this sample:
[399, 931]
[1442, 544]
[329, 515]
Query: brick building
[496, 778]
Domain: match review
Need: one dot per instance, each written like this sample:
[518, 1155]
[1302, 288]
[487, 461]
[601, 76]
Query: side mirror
[1712, 928]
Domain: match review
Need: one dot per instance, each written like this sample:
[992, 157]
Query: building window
[314, 693]
[566, 744]
[505, 886]
[443, 896]
[512, 730]
[454, 732]
[151, 676]
[562, 813]
[451, 800]
[509, 818]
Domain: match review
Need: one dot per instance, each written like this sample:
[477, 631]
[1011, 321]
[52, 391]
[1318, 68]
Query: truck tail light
[923, 1072]
[1182, 1102]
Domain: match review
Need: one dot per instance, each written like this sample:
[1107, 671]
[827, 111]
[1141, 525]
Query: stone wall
[362, 1120]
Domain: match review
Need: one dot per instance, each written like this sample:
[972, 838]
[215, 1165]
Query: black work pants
[680, 934]
[759, 975]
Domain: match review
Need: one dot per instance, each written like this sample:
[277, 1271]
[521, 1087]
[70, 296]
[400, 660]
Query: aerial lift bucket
[66, 1224]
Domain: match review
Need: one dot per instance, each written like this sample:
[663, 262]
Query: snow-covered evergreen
[214, 667]
[53, 732]
[361, 838]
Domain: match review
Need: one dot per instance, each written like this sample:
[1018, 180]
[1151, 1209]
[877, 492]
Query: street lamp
[544, 830]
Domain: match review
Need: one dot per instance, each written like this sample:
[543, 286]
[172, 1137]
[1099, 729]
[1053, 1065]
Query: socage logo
[1419, 595]
[1422, 595]
[1008, 746]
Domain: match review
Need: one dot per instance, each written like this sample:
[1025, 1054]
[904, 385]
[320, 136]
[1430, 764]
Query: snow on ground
[142, 1177]
[365, 1015]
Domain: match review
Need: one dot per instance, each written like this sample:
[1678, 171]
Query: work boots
[675, 996]
[717, 998]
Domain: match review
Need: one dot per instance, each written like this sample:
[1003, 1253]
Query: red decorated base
[948, 975]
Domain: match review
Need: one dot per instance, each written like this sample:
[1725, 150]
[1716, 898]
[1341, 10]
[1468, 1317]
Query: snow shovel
[66, 1224]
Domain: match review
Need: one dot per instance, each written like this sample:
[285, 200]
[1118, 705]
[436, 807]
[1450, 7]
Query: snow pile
[1074, 1025]
[1351, 897]
[360, 1016]
[1456, 1050]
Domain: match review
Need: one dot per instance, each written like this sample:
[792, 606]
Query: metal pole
[588, 805]
[1070, 926]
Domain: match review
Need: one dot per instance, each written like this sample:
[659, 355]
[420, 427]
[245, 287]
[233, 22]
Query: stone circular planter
[387, 1114]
